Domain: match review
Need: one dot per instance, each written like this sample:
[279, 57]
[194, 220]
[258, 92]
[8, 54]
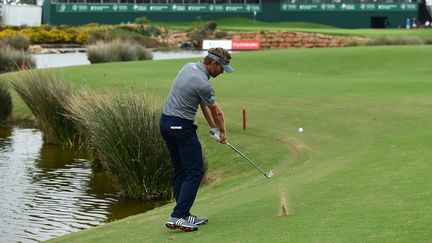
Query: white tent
[18, 15]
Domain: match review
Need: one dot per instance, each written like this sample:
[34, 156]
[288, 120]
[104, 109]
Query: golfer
[191, 89]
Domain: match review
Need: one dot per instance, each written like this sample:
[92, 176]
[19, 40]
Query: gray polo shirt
[190, 88]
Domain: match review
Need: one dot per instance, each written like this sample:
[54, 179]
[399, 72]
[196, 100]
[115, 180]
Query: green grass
[360, 172]
[241, 24]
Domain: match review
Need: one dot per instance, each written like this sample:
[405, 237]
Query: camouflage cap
[222, 56]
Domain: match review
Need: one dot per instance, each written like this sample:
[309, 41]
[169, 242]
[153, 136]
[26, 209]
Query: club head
[270, 174]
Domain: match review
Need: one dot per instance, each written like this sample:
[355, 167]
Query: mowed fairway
[359, 172]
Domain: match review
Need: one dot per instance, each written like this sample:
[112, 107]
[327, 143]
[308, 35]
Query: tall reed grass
[12, 60]
[123, 129]
[5, 102]
[45, 94]
[18, 42]
[117, 51]
[386, 40]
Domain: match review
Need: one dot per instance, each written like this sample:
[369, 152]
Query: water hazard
[47, 191]
[80, 58]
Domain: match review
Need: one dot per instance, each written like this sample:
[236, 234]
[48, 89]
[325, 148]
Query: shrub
[352, 43]
[148, 30]
[18, 42]
[97, 35]
[203, 31]
[83, 36]
[385, 40]
[12, 60]
[108, 34]
[7, 32]
[87, 34]
[45, 94]
[428, 41]
[5, 101]
[221, 34]
[123, 129]
[45, 34]
[147, 42]
[141, 20]
[124, 32]
[412, 41]
[117, 51]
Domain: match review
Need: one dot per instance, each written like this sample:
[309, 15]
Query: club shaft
[244, 156]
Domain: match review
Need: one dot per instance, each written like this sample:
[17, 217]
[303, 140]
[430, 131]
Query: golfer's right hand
[223, 137]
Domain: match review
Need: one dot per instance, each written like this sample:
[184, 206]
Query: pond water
[80, 58]
[48, 191]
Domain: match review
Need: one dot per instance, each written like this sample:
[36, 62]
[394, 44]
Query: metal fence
[162, 1]
[347, 1]
[228, 1]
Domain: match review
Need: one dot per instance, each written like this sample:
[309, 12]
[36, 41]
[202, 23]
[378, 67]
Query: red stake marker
[244, 119]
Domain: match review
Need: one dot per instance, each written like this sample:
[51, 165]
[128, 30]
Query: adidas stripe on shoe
[179, 223]
[197, 220]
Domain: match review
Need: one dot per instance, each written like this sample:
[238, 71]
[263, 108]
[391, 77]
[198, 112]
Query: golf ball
[300, 129]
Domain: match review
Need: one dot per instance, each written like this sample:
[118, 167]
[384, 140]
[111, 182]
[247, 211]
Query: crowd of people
[414, 24]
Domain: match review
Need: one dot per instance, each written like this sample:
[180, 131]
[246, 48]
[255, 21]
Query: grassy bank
[239, 24]
[244, 25]
[359, 172]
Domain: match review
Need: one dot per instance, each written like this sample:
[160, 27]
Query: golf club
[268, 175]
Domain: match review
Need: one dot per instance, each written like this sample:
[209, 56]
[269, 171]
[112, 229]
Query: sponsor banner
[232, 44]
[289, 7]
[226, 44]
[158, 8]
[245, 45]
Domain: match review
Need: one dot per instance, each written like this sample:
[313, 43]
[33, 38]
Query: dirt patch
[212, 177]
[283, 210]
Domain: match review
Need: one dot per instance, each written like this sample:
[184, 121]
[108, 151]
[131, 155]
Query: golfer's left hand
[215, 133]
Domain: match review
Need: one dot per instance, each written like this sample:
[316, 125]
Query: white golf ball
[300, 130]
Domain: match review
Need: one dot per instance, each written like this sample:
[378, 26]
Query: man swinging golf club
[191, 89]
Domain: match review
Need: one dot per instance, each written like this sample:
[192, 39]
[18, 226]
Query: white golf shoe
[175, 223]
[197, 220]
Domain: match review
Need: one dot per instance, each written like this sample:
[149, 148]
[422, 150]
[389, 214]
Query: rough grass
[13, 60]
[123, 129]
[359, 172]
[45, 94]
[18, 42]
[5, 102]
[385, 40]
[117, 51]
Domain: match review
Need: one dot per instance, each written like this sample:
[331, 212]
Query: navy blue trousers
[186, 156]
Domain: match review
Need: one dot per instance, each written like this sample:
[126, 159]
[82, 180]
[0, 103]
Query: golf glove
[215, 133]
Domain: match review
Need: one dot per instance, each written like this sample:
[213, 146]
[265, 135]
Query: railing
[348, 1]
[162, 1]
[229, 1]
